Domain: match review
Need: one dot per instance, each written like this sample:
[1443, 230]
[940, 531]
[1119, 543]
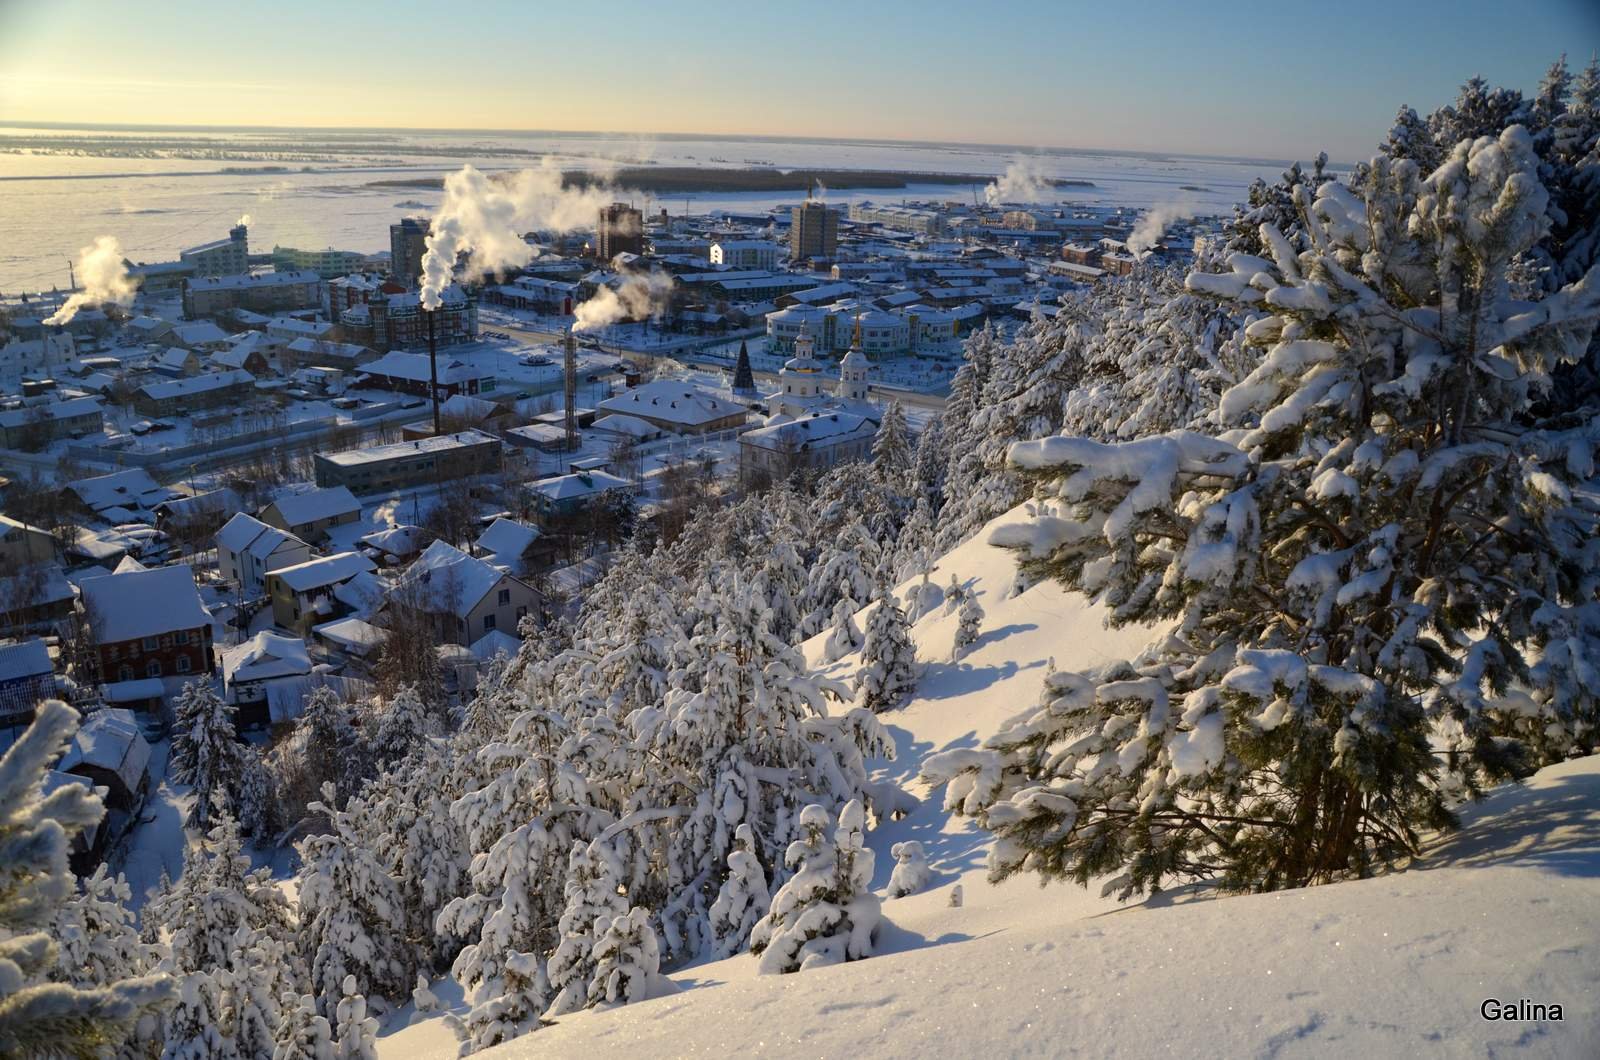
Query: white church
[810, 427]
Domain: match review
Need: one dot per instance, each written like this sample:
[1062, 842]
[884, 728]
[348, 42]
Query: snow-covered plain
[1505, 909]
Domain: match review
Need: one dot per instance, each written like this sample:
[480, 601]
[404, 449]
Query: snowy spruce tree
[39, 1014]
[911, 873]
[892, 448]
[303, 1033]
[742, 900]
[351, 917]
[825, 913]
[355, 1034]
[402, 728]
[888, 658]
[627, 961]
[208, 756]
[1380, 588]
[592, 899]
[969, 624]
[845, 637]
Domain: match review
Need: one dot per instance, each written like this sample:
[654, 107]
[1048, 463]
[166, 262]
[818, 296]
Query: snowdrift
[1503, 910]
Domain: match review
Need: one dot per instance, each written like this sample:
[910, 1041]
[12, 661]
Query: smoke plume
[1154, 223]
[104, 275]
[639, 295]
[1023, 181]
[486, 218]
[244, 219]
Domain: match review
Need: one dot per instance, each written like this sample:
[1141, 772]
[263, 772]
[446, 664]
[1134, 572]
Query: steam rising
[1023, 181]
[486, 219]
[639, 295]
[244, 219]
[104, 275]
[1153, 225]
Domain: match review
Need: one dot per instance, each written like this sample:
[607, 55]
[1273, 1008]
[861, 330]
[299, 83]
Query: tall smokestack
[570, 364]
[433, 369]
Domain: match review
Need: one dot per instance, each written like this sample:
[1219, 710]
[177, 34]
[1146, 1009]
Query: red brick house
[148, 623]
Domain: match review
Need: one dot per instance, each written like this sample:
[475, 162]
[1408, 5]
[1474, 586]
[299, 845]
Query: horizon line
[595, 133]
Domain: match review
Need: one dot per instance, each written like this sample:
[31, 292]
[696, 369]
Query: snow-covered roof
[506, 538]
[465, 406]
[396, 540]
[247, 534]
[128, 488]
[29, 658]
[362, 594]
[144, 603]
[201, 332]
[324, 571]
[247, 281]
[264, 656]
[413, 367]
[446, 579]
[324, 347]
[54, 410]
[436, 443]
[110, 739]
[493, 643]
[811, 431]
[352, 634]
[583, 484]
[135, 691]
[632, 426]
[127, 565]
[309, 506]
[672, 400]
[197, 384]
[208, 503]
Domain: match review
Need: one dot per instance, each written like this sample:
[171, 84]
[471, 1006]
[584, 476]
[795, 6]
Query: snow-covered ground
[1398, 964]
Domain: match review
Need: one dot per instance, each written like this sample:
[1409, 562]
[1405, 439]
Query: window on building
[152, 668]
[505, 596]
[124, 672]
[151, 643]
[182, 636]
[488, 623]
[182, 665]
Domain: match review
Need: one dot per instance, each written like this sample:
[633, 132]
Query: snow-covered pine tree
[355, 1034]
[627, 961]
[923, 598]
[592, 897]
[351, 917]
[845, 637]
[1409, 137]
[402, 728]
[39, 1017]
[99, 941]
[929, 465]
[824, 914]
[195, 1027]
[888, 658]
[206, 753]
[843, 571]
[911, 873]
[520, 824]
[303, 1032]
[969, 624]
[743, 899]
[1382, 589]
[892, 449]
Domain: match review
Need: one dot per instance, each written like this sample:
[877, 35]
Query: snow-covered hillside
[1503, 910]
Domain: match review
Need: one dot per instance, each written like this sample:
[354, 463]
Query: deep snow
[1504, 909]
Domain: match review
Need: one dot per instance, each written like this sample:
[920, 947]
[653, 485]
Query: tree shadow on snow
[953, 680]
[1553, 824]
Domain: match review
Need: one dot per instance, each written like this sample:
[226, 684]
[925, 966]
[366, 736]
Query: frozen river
[161, 191]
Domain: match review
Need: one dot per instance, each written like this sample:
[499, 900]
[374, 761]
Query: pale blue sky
[1275, 80]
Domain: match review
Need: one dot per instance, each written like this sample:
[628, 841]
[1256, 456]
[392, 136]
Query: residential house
[251, 669]
[26, 677]
[676, 406]
[403, 465]
[176, 362]
[35, 597]
[22, 545]
[566, 495]
[110, 750]
[812, 442]
[323, 589]
[36, 426]
[179, 396]
[514, 547]
[309, 514]
[202, 336]
[465, 596]
[117, 497]
[148, 624]
[248, 550]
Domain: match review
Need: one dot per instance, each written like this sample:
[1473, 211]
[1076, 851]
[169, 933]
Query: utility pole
[570, 364]
[433, 369]
[72, 279]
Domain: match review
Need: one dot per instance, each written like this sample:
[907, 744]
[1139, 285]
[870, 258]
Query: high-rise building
[224, 257]
[813, 231]
[619, 231]
[408, 241]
